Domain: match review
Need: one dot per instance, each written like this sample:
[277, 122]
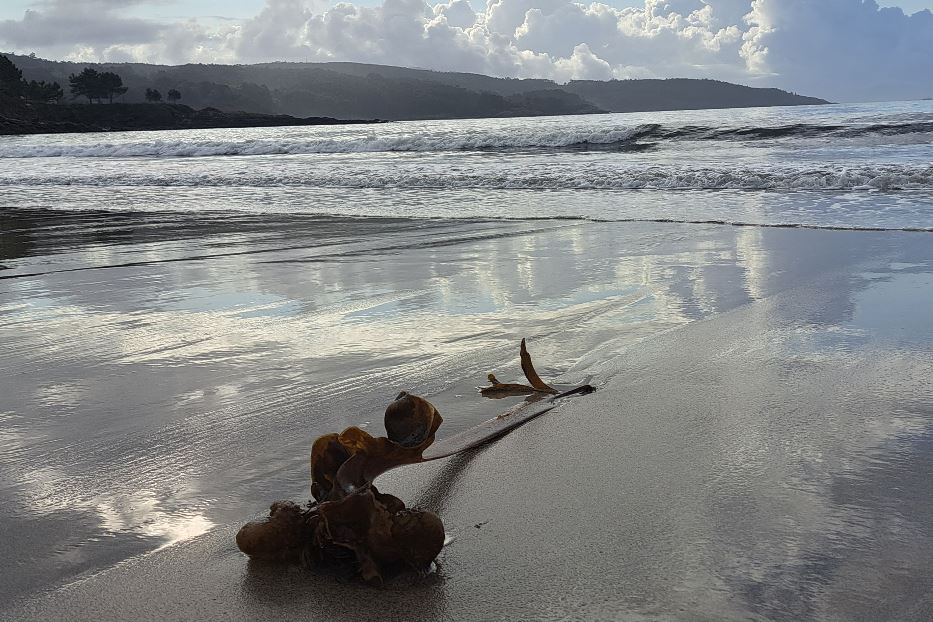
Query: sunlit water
[181, 313]
[857, 165]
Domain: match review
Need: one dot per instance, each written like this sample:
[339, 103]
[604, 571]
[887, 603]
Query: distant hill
[681, 94]
[361, 91]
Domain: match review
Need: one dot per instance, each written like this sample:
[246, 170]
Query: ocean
[847, 166]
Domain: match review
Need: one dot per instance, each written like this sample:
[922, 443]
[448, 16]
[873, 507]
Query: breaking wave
[891, 177]
[528, 138]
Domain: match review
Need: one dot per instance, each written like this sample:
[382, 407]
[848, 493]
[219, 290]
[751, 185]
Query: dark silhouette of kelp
[349, 519]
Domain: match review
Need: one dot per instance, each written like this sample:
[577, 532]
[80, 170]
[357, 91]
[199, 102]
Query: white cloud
[851, 48]
[840, 49]
[456, 13]
[582, 65]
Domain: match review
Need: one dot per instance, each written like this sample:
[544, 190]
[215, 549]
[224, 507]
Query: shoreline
[118, 117]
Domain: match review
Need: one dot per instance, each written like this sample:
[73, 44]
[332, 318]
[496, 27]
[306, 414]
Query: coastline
[762, 411]
[19, 120]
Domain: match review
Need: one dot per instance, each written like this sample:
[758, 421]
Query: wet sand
[759, 448]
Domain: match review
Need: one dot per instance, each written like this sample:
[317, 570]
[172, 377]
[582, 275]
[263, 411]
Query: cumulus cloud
[582, 65]
[839, 49]
[80, 23]
[456, 13]
[857, 49]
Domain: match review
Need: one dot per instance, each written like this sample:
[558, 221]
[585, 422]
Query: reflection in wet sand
[165, 373]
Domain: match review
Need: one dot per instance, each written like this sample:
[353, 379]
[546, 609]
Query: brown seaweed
[349, 518]
[535, 385]
[279, 538]
[349, 513]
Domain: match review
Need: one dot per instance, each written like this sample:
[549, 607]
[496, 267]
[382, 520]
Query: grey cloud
[74, 23]
[840, 49]
[277, 32]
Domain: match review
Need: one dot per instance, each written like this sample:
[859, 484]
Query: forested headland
[197, 95]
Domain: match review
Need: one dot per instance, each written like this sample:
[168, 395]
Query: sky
[843, 50]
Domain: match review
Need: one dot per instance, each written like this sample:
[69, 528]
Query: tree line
[90, 83]
[13, 85]
[97, 85]
[154, 96]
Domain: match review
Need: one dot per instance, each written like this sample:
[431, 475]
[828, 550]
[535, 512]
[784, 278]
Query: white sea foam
[884, 178]
[531, 135]
[361, 143]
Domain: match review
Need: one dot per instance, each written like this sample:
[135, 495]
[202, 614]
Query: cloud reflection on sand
[164, 386]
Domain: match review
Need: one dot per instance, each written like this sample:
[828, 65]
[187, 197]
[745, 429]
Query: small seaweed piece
[499, 390]
[500, 425]
[529, 370]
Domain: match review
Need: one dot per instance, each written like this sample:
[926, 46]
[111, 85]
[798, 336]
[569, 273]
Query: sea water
[847, 166]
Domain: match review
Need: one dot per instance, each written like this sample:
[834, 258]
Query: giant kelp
[350, 520]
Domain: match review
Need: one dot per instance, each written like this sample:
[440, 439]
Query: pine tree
[111, 84]
[11, 78]
[43, 92]
[95, 85]
[86, 84]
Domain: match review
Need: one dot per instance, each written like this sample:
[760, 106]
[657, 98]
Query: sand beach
[759, 446]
